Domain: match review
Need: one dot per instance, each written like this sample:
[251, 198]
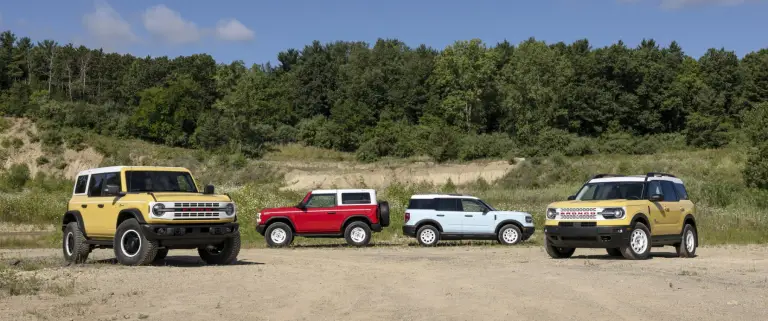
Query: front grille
[581, 224]
[196, 205]
[205, 215]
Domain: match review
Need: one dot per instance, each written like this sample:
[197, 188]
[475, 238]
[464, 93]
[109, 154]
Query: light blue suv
[432, 217]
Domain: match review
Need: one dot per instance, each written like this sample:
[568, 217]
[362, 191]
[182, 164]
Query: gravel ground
[406, 283]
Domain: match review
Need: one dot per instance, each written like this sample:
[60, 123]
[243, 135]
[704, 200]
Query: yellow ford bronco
[626, 215]
[142, 212]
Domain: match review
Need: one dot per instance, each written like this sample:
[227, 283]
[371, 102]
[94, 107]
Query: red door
[320, 215]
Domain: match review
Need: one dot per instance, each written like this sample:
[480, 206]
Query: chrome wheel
[510, 235]
[278, 235]
[130, 243]
[639, 241]
[357, 235]
[69, 243]
[427, 236]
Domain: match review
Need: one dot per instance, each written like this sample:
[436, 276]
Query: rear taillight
[407, 217]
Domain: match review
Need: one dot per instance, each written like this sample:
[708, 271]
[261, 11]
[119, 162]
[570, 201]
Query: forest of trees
[466, 101]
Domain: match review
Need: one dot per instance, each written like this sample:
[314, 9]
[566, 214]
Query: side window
[355, 198]
[421, 204]
[681, 192]
[95, 188]
[448, 204]
[81, 184]
[111, 179]
[669, 191]
[654, 187]
[321, 200]
[472, 206]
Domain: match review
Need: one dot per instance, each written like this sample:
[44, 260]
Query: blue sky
[256, 30]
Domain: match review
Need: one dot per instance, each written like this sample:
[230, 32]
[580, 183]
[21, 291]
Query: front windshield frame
[490, 208]
[585, 188]
[189, 180]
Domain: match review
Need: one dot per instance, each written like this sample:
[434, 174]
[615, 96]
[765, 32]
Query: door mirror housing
[113, 190]
[572, 197]
[657, 198]
[209, 189]
[301, 206]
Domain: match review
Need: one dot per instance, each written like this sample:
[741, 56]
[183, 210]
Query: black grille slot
[566, 224]
[588, 224]
[196, 205]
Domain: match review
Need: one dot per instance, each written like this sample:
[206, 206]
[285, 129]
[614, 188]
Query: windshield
[157, 181]
[611, 191]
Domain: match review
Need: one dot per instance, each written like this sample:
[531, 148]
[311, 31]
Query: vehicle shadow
[662, 255]
[341, 245]
[179, 261]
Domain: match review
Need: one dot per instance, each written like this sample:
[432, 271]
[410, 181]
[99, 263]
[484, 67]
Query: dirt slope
[410, 283]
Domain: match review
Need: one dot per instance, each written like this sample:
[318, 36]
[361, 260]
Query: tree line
[466, 101]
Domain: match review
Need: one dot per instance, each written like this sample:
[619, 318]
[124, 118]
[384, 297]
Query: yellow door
[102, 208]
[662, 212]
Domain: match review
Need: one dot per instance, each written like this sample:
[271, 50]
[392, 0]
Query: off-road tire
[224, 253]
[682, 248]
[357, 227]
[73, 244]
[512, 237]
[383, 213]
[286, 229]
[131, 230]
[558, 252]
[613, 251]
[161, 254]
[629, 252]
[424, 239]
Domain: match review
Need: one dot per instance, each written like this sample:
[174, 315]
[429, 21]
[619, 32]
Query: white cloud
[233, 30]
[107, 26]
[169, 26]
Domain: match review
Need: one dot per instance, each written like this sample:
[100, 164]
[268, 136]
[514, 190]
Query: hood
[190, 197]
[276, 210]
[601, 204]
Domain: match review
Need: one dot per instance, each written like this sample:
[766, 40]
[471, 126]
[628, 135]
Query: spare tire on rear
[383, 213]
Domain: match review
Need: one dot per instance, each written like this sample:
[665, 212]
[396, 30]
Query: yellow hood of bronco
[190, 197]
[599, 204]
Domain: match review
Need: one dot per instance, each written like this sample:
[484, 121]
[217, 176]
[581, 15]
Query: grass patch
[293, 152]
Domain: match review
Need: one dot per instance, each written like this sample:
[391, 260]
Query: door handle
[666, 209]
[331, 212]
[440, 215]
[83, 205]
[101, 205]
[682, 209]
[467, 215]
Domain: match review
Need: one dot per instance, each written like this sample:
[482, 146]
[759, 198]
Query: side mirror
[657, 198]
[113, 190]
[208, 190]
[572, 197]
[301, 206]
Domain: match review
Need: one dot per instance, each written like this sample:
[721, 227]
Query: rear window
[449, 204]
[81, 184]
[421, 204]
[355, 198]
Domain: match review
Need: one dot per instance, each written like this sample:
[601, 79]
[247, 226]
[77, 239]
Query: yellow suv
[627, 215]
[142, 212]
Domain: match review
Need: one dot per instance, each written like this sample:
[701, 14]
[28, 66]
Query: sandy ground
[409, 283]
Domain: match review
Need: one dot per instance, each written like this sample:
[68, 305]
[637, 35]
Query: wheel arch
[689, 219]
[278, 219]
[355, 218]
[130, 213]
[642, 218]
[506, 222]
[436, 224]
[73, 216]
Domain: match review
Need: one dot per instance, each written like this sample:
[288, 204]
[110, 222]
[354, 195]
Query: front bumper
[577, 236]
[190, 235]
[527, 232]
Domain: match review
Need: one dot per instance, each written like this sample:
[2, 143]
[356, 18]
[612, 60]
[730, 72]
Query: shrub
[75, 139]
[756, 170]
[4, 124]
[42, 160]
[286, 134]
[15, 178]
[485, 146]
[51, 138]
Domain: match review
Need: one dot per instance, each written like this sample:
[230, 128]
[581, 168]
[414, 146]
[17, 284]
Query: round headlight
[229, 209]
[613, 213]
[157, 210]
[551, 213]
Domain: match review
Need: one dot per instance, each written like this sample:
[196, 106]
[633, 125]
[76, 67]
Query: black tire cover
[384, 213]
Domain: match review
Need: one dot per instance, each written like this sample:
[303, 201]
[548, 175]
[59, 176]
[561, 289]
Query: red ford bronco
[347, 213]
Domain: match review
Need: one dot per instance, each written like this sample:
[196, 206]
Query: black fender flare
[130, 213]
[281, 219]
[73, 216]
[510, 221]
[430, 222]
[355, 218]
[638, 217]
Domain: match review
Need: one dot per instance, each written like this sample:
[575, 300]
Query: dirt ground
[408, 283]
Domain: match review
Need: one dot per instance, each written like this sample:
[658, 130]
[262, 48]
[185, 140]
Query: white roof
[112, 169]
[334, 191]
[636, 178]
[431, 196]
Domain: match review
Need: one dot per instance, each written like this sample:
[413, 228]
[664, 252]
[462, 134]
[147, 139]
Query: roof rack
[606, 175]
[654, 174]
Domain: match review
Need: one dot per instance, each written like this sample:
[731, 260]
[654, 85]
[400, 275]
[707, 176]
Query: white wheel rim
[357, 235]
[427, 236]
[278, 235]
[639, 241]
[68, 242]
[122, 243]
[510, 235]
[690, 241]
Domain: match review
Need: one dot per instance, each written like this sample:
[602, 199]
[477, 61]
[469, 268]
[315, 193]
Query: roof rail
[655, 174]
[606, 175]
